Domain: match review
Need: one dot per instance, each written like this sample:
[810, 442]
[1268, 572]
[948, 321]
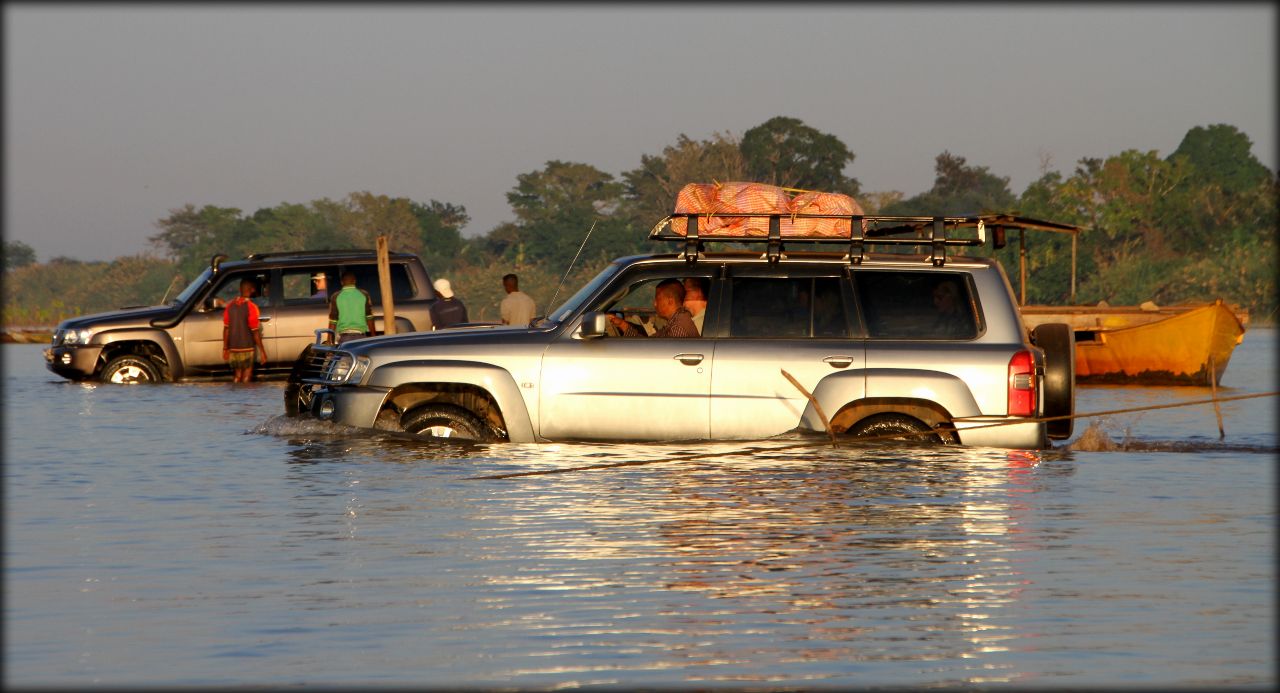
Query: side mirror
[595, 325]
[997, 237]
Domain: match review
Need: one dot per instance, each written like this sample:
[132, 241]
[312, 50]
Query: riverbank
[26, 335]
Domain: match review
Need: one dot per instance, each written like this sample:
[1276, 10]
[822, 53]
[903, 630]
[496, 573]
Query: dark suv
[182, 340]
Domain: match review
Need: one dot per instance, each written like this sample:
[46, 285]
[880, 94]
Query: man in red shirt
[242, 333]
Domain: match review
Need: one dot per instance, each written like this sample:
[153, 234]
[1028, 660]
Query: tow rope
[855, 442]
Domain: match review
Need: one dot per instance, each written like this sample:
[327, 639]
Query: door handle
[839, 361]
[264, 318]
[689, 359]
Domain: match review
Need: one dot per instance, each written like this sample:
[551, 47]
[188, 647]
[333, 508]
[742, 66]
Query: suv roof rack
[347, 252]
[867, 230]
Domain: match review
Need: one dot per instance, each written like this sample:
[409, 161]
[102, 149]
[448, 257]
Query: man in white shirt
[517, 308]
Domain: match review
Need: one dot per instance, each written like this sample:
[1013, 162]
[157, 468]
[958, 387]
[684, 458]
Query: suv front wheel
[447, 421]
[130, 369]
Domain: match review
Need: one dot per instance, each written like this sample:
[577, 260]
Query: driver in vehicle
[668, 303]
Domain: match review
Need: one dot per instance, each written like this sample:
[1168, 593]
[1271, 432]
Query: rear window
[917, 305]
[367, 279]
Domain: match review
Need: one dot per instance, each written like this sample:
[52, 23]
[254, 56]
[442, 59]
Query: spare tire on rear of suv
[1059, 345]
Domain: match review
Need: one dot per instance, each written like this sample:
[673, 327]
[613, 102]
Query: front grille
[312, 365]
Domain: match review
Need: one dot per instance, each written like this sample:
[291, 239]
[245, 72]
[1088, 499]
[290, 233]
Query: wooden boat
[1187, 344]
[1149, 344]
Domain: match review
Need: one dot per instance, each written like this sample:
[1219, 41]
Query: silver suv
[182, 340]
[860, 335]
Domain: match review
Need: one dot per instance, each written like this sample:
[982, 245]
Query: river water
[187, 535]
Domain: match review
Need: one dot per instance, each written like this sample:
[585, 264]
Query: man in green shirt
[351, 310]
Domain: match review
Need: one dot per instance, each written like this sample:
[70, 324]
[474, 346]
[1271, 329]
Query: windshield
[192, 288]
[567, 308]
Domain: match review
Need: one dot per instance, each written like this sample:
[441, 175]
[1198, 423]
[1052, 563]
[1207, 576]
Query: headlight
[72, 337]
[344, 368]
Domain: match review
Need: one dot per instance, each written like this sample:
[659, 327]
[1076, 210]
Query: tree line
[1195, 225]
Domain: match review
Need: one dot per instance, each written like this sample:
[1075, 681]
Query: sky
[115, 114]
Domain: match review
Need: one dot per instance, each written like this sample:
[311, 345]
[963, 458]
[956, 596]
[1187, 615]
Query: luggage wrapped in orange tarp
[761, 198]
[728, 198]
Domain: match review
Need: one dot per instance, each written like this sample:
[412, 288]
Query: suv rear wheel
[447, 421]
[129, 369]
[894, 427]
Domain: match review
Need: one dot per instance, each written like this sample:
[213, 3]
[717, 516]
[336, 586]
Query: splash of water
[288, 426]
[1096, 438]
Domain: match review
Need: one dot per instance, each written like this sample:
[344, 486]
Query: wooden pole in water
[1075, 235]
[816, 407]
[384, 283]
[1022, 267]
[1217, 408]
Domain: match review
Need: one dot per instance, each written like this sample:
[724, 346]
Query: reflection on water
[798, 553]
[191, 535]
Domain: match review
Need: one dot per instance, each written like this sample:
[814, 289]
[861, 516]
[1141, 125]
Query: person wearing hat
[322, 285]
[448, 310]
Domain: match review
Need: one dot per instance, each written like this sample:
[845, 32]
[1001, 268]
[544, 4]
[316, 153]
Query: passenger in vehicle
[951, 321]
[322, 285]
[261, 292]
[828, 311]
[668, 303]
[695, 299]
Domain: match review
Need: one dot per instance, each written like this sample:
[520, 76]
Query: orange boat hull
[1180, 345]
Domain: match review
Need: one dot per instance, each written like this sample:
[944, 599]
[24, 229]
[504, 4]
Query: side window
[367, 279]
[830, 318]
[780, 307]
[916, 305]
[229, 288]
[634, 303]
[307, 285]
[636, 299]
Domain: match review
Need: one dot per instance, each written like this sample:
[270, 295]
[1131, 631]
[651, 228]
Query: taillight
[1022, 384]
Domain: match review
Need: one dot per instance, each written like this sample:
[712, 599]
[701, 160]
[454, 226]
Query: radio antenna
[572, 262]
[165, 301]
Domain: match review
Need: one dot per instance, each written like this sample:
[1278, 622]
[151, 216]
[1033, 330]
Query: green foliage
[786, 152]
[651, 190]
[1154, 230]
[1194, 226]
[1219, 155]
[18, 254]
[192, 236]
[555, 209]
[957, 190]
[44, 294]
[440, 227]
[479, 286]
